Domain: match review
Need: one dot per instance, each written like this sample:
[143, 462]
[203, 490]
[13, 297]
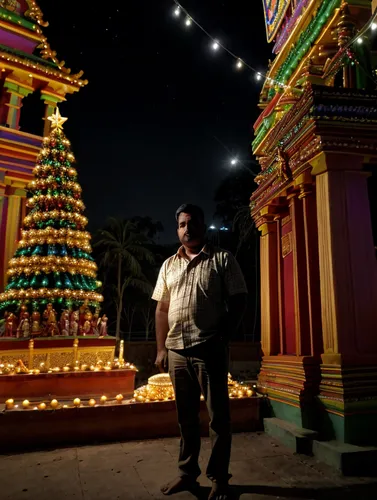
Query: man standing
[201, 295]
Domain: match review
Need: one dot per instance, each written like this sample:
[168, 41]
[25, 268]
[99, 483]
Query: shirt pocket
[209, 283]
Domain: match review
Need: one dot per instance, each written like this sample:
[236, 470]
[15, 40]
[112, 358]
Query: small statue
[83, 310]
[23, 329]
[95, 324]
[23, 309]
[10, 325]
[87, 327]
[64, 323]
[35, 323]
[49, 317]
[103, 326]
[284, 172]
[74, 325]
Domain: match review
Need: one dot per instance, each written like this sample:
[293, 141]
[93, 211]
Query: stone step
[296, 438]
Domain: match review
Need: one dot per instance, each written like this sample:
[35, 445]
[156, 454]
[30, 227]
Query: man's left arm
[236, 291]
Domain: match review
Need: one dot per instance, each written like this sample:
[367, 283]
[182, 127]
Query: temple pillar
[3, 226]
[12, 207]
[289, 373]
[306, 185]
[269, 283]
[11, 102]
[348, 286]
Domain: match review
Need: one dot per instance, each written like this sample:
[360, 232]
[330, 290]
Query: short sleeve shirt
[197, 292]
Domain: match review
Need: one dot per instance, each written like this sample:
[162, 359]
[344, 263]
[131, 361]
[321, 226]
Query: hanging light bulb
[188, 21]
[258, 76]
[374, 26]
[215, 45]
[239, 64]
[359, 40]
[177, 11]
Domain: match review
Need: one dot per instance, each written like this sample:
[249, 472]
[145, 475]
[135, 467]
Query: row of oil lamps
[54, 404]
[20, 368]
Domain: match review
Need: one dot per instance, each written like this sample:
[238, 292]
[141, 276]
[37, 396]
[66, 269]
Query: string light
[373, 26]
[239, 64]
[216, 45]
[359, 40]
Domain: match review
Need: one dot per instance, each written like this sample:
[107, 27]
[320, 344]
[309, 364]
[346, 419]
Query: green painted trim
[306, 416]
[48, 97]
[304, 43]
[354, 429]
[16, 19]
[24, 92]
[14, 87]
[30, 57]
[11, 86]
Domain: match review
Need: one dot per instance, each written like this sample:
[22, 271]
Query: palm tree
[123, 249]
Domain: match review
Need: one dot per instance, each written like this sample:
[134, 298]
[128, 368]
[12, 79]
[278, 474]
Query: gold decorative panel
[58, 357]
[286, 244]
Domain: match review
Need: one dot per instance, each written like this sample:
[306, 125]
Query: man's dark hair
[193, 210]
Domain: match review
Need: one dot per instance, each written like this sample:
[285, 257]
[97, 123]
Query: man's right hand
[162, 360]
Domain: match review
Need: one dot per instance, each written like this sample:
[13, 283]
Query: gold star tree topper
[57, 119]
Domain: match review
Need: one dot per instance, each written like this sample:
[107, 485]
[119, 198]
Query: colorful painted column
[269, 282]
[290, 369]
[3, 225]
[348, 281]
[12, 100]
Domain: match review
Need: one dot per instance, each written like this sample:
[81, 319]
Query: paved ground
[262, 469]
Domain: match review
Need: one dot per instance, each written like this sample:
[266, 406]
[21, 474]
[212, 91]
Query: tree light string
[216, 45]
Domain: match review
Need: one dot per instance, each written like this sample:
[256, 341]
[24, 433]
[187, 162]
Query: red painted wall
[289, 333]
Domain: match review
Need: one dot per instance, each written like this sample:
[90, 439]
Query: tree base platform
[28, 429]
[83, 384]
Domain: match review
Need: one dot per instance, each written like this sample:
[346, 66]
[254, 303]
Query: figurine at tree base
[103, 326]
[95, 324]
[87, 327]
[64, 323]
[23, 310]
[74, 325]
[35, 323]
[23, 330]
[10, 325]
[49, 319]
[83, 310]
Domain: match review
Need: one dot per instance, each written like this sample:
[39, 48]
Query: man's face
[191, 230]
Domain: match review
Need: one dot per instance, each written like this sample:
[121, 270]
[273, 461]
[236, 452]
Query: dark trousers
[203, 370]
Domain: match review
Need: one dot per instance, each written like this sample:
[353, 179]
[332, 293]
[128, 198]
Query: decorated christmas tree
[52, 274]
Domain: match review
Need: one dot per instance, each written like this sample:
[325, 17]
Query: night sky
[143, 130]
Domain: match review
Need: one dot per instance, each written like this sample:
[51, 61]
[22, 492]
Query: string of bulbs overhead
[179, 11]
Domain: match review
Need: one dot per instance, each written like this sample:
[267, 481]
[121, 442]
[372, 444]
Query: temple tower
[27, 65]
[316, 141]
